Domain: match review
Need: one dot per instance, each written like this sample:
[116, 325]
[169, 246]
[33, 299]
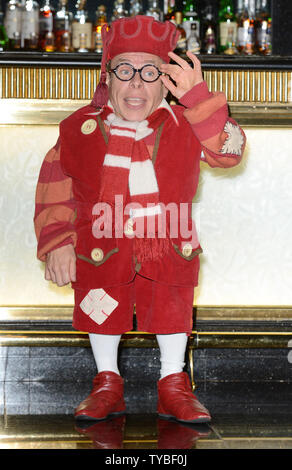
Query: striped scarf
[127, 165]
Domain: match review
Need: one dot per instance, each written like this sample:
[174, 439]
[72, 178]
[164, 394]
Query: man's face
[135, 99]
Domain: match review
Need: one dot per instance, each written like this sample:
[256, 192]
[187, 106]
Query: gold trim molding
[37, 112]
[256, 86]
[46, 95]
[240, 86]
[14, 112]
[36, 313]
[63, 313]
[133, 339]
[244, 313]
[47, 83]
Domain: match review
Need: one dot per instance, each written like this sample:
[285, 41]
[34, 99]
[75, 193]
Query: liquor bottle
[193, 41]
[190, 17]
[263, 28]
[119, 10]
[30, 25]
[136, 7]
[81, 28]
[227, 24]
[154, 10]
[100, 20]
[4, 41]
[63, 28]
[209, 31]
[170, 14]
[231, 48]
[181, 45]
[246, 28]
[239, 8]
[12, 24]
[46, 27]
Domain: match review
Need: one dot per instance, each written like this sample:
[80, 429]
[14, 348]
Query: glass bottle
[209, 31]
[227, 24]
[136, 7]
[263, 28]
[170, 15]
[181, 45]
[231, 48]
[30, 25]
[119, 10]
[154, 10]
[239, 8]
[46, 26]
[100, 20]
[63, 27]
[190, 17]
[12, 24]
[4, 41]
[194, 41]
[246, 28]
[81, 28]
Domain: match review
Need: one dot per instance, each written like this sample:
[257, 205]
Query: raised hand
[182, 73]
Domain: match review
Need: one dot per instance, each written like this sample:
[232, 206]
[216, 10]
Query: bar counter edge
[90, 59]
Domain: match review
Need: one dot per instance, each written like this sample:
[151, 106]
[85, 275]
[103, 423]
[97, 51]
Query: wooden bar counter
[258, 89]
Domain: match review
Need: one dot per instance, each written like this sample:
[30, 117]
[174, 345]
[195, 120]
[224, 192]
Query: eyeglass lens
[148, 73]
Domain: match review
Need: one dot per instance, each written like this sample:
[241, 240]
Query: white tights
[172, 352]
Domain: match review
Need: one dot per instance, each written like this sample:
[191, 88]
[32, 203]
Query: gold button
[88, 126]
[187, 250]
[97, 254]
[129, 227]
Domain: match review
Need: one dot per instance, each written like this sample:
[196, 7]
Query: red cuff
[42, 255]
[196, 95]
[67, 241]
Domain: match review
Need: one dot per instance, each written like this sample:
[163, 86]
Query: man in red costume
[113, 207]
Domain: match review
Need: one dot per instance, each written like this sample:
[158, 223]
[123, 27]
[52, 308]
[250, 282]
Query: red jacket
[69, 184]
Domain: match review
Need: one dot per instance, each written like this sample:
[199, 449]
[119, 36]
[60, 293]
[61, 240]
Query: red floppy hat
[136, 34]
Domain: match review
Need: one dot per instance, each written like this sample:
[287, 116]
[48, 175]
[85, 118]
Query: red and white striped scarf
[128, 165]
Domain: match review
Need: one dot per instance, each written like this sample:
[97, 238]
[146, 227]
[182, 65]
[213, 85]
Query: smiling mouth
[135, 101]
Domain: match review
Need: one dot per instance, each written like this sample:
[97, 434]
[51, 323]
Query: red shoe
[173, 435]
[104, 434]
[106, 397]
[176, 400]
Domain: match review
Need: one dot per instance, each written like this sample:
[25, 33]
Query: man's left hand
[182, 73]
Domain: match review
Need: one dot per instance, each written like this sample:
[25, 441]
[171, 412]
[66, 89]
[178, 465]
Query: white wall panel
[246, 225]
[22, 150]
[244, 219]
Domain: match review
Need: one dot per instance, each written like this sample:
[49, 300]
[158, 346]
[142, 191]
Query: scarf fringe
[144, 248]
[150, 249]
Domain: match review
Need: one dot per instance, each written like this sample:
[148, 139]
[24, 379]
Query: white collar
[164, 104]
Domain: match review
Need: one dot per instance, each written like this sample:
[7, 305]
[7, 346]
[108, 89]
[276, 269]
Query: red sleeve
[54, 206]
[222, 139]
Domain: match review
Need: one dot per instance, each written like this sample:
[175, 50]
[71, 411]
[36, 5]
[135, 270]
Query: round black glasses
[125, 72]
